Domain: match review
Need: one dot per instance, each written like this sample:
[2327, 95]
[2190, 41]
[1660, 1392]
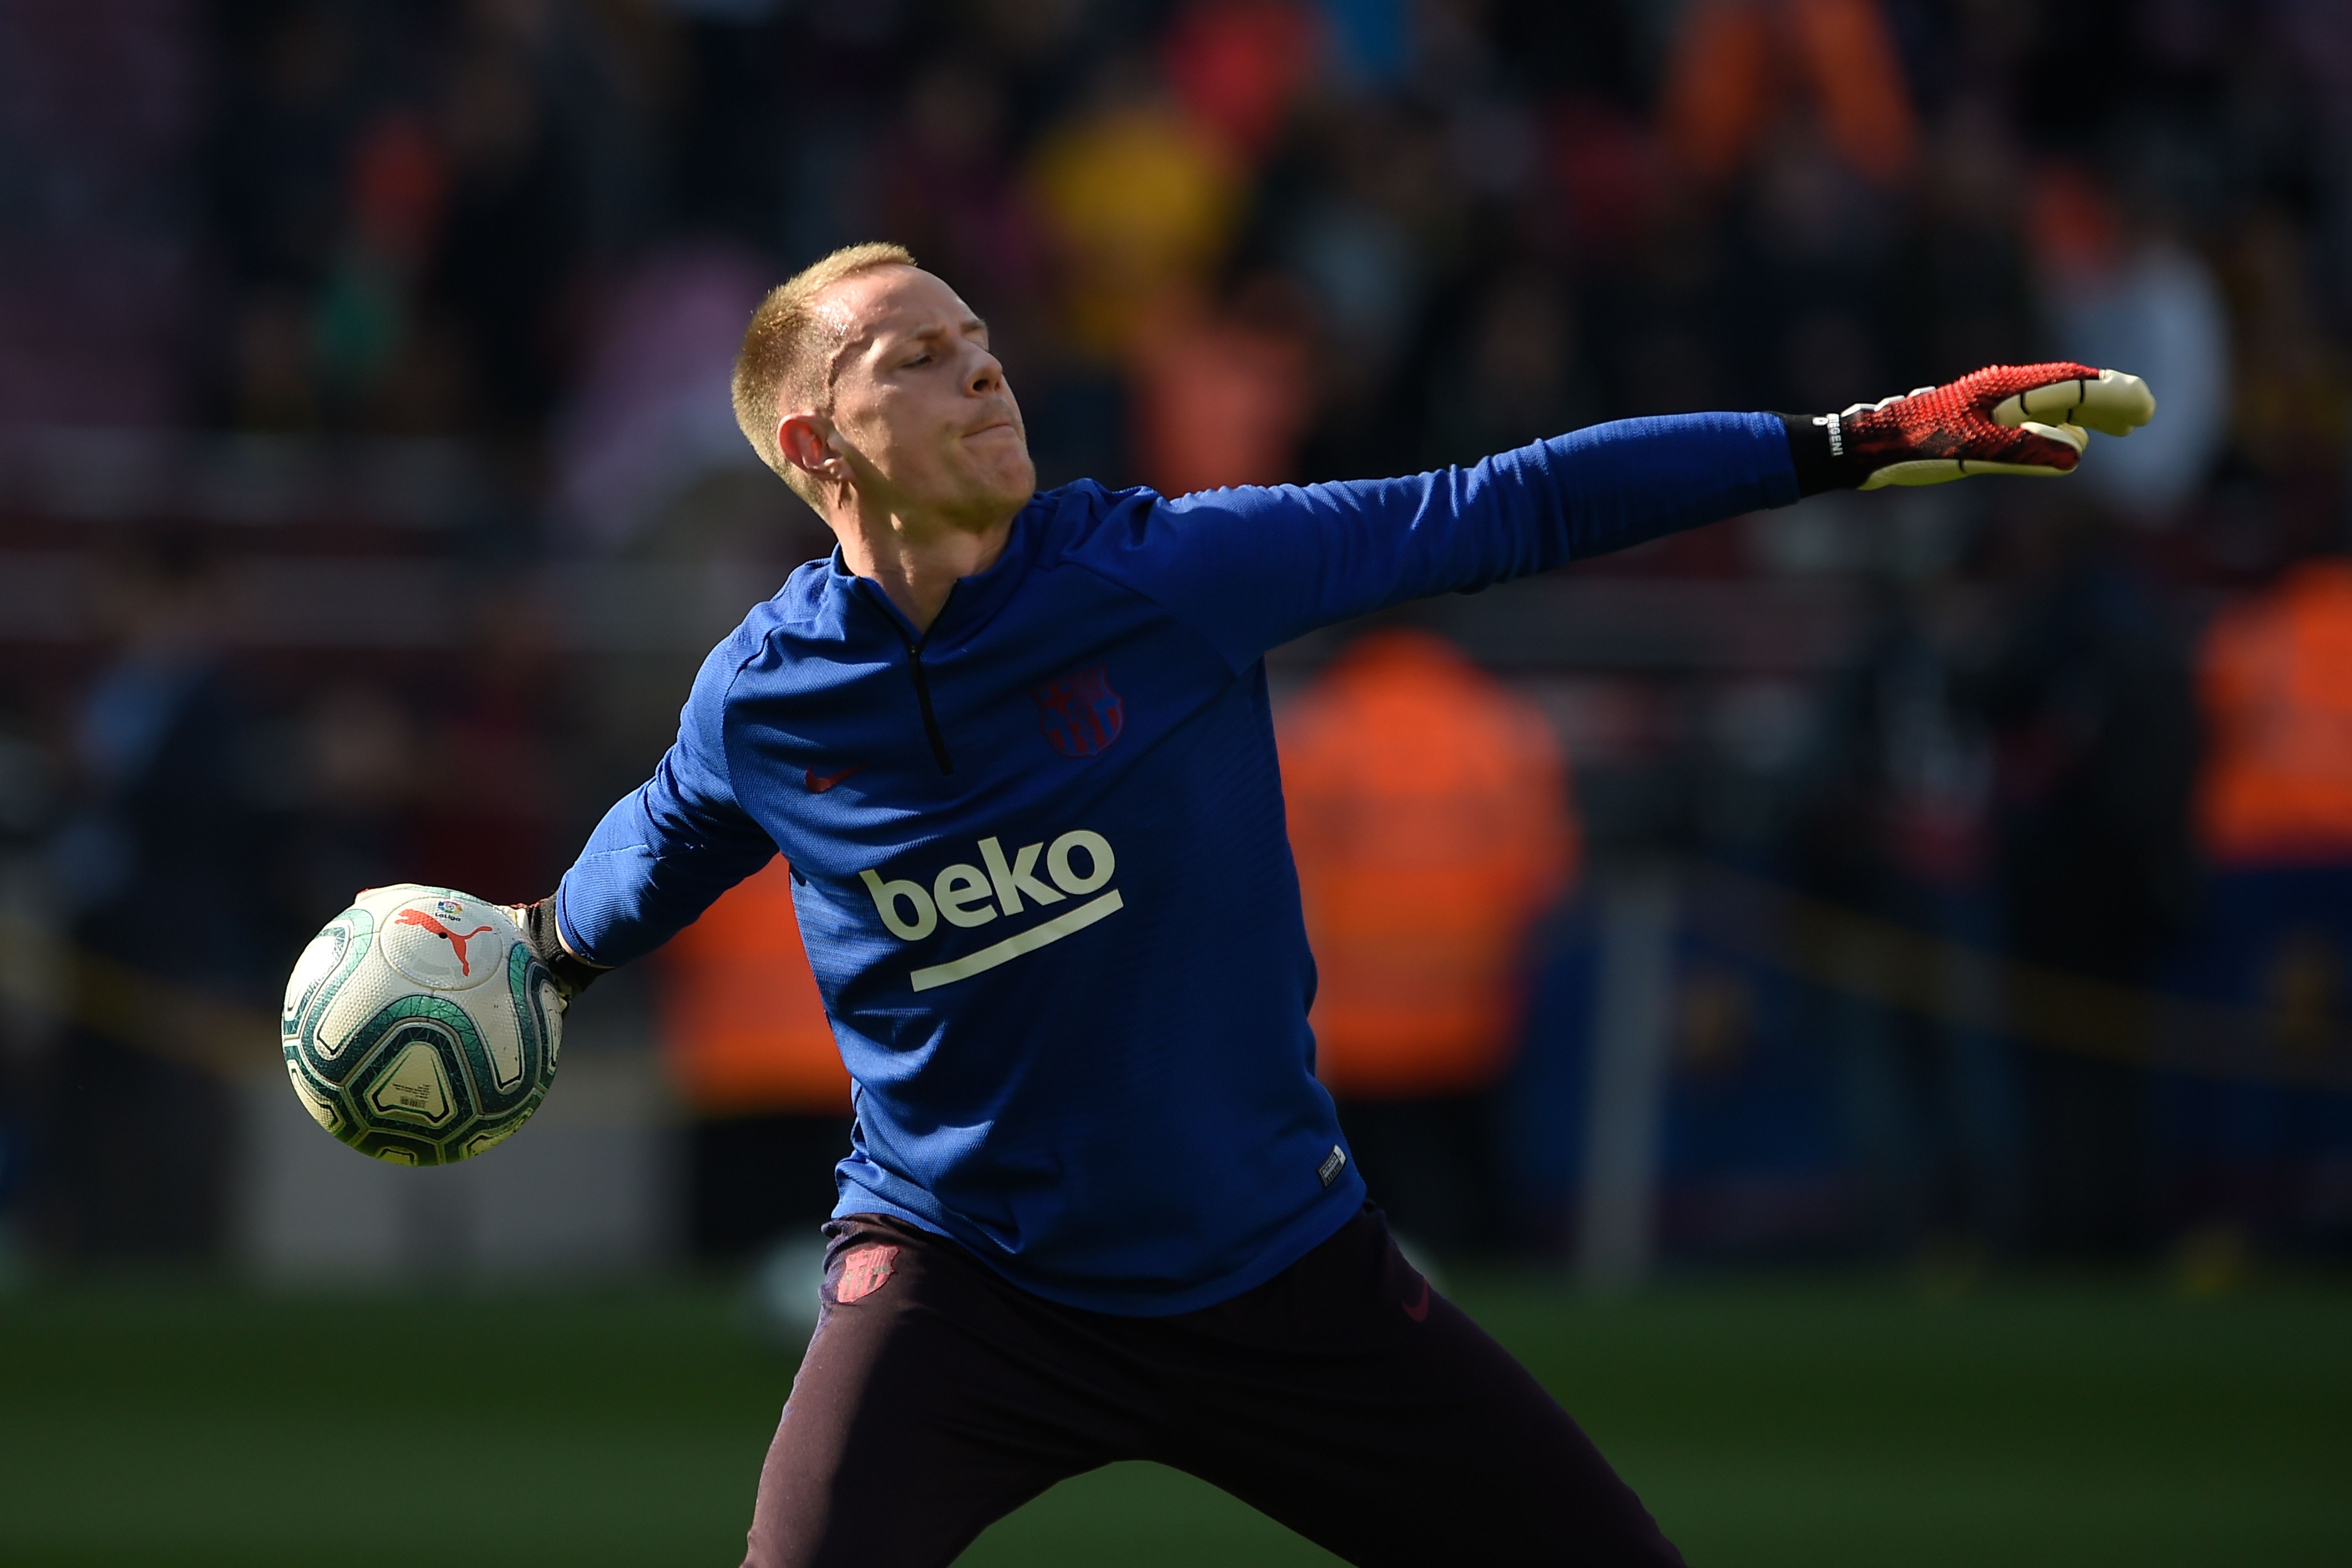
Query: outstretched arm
[1255, 567]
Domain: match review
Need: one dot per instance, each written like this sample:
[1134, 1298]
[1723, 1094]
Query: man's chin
[994, 499]
[1012, 484]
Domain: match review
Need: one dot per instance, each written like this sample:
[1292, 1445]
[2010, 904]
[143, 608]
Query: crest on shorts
[864, 1270]
[1078, 713]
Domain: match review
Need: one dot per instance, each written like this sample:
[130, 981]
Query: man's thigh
[1355, 1404]
[933, 1399]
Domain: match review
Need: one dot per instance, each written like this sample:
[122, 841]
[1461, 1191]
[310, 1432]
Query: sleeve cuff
[571, 948]
[1821, 462]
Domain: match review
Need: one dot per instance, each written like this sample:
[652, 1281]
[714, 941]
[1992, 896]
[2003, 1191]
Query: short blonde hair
[780, 361]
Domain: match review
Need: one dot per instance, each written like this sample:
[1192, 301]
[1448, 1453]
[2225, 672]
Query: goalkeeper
[1018, 751]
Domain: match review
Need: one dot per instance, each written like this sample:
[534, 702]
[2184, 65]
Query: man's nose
[987, 375]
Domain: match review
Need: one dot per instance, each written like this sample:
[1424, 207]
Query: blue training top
[1038, 853]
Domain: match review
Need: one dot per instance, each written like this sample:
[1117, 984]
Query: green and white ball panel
[418, 1028]
[322, 1107]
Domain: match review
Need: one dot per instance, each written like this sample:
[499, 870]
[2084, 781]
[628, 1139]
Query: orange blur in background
[1430, 818]
[741, 1026]
[2275, 682]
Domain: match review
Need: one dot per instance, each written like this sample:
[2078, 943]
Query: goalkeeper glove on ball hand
[571, 972]
[2005, 419]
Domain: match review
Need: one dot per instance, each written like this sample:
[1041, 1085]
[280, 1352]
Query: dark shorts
[1342, 1397]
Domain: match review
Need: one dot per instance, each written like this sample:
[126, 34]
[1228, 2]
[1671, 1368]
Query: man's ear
[806, 443]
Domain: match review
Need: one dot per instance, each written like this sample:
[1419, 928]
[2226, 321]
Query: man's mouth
[1002, 419]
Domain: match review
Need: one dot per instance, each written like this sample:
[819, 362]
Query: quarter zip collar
[972, 603]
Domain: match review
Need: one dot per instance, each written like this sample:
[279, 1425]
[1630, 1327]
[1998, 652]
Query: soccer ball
[419, 1027]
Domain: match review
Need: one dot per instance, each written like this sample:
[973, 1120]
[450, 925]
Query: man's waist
[1118, 1248]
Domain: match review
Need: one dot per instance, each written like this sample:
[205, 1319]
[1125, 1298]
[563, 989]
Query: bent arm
[658, 860]
[1256, 567]
[666, 850]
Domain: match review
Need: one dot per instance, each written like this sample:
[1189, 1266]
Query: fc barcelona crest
[1078, 713]
[864, 1271]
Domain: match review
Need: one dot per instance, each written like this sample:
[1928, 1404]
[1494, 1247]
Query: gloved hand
[2004, 419]
[572, 975]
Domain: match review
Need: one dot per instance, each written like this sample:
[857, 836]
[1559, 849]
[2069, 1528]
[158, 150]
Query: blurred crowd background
[1960, 876]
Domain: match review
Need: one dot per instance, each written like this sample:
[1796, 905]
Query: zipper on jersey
[923, 700]
[914, 645]
[914, 666]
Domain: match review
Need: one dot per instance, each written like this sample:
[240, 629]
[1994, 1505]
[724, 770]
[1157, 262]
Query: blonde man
[1017, 750]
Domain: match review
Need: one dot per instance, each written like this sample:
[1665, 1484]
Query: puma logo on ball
[456, 944]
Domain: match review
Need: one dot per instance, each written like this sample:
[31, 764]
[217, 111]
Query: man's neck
[916, 561]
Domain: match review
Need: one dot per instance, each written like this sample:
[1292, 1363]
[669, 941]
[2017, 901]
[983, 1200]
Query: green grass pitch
[1856, 1423]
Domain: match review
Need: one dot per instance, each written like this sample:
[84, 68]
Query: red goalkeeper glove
[2005, 419]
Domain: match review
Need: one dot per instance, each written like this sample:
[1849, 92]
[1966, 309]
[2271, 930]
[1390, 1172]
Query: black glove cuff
[572, 975]
[1821, 458]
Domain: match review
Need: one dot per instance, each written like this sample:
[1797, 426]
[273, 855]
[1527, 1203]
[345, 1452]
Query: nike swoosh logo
[1419, 1310]
[820, 783]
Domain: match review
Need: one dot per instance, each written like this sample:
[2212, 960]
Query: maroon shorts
[1343, 1397]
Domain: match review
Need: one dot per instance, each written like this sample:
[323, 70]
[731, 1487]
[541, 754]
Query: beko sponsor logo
[1076, 864]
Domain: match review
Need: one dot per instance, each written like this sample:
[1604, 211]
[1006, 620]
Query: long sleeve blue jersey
[1038, 854]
